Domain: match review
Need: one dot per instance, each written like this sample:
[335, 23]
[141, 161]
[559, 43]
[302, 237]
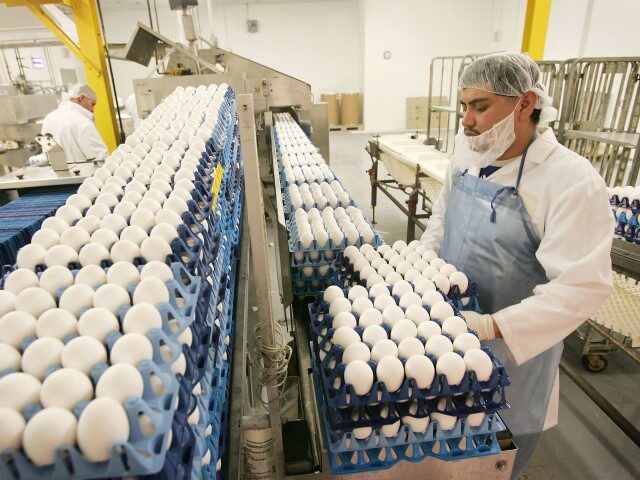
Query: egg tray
[308, 289]
[378, 452]
[295, 246]
[289, 208]
[345, 270]
[330, 368]
[179, 455]
[140, 455]
[298, 274]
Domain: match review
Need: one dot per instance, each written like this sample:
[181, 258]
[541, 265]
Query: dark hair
[535, 115]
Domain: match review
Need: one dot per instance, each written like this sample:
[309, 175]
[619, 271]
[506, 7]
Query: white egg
[97, 323]
[412, 274]
[143, 218]
[374, 334]
[378, 289]
[339, 304]
[9, 358]
[384, 348]
[141, 318]
[401, 287]
[31, 255]
[155, 249]
[165, 231]
[392, 315]
[452, 366]
[344, 319]
[479, 362]
[131, 348]
[69, 213]
[60, 255]
[91, 275]
[399, 245]
[54, 278]
[460, 280]
[76, 298]
[359, 375]
[417, 314]
[390, 371]
[375, 279]
[442, 282]
[120, 382]
[158, 270]
[431, 297]
[47, 430]
[410, 299]
[65, 388]
[410, 346]
[357, 291]
[383, 301]
[331, 293]
[46, 238]
[394, 277]
[356, 351]
[421, 369]
[151, 290]
[104, 237]
[123, 274]
[465, 342]
[454, 326]
[41, 355]
[102, 424]
[361, 304]
[429, 256]
[370, 316]
[12, 429]
[94, 253]
[392, 429]
[82, 353]
[34, 300]
[438, 345]
[402, 329]
[99, 210]
[417, 424]
[19, 280]
[441, 311]
[17, 390]
[56, 323]
[423, 286]
[168, 216]
[15, 327]
[57, 224]
[446, 422]
[7, 302]
[428, 329]
[345, 336]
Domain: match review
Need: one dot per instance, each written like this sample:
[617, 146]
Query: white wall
[415, 31]
[591, 28]
[317, 42]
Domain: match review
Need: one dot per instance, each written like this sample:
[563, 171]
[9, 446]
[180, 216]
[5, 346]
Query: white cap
[80, 89]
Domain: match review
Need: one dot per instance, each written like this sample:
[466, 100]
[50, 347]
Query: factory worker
[529, 221]
[73, 127]
[131, 108]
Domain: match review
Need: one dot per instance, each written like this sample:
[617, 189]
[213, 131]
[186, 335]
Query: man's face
[482, 109]
[86, 102]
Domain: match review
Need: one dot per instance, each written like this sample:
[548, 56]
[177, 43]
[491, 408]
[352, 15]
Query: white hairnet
[510, 74]
[80, 89]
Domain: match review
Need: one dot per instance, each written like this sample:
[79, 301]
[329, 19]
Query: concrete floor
[586, 444]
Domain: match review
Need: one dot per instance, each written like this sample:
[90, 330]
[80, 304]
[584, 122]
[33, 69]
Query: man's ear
[527, 105]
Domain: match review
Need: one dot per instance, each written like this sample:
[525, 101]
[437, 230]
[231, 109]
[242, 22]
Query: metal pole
[612, 412]
[259, 254]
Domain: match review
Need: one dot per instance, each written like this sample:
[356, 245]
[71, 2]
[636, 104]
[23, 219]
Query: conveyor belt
[621, 311]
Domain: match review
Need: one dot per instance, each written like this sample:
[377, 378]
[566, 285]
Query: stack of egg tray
[205, 249]
[346, 276]
[22, 217]
[350, 455]
[140, 454]
[311, 268]
[625, 212]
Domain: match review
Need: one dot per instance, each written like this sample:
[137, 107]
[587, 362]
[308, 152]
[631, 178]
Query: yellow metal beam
[536, 22]
[90, 50]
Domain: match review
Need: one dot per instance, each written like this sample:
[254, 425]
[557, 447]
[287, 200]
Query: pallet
[343, 128]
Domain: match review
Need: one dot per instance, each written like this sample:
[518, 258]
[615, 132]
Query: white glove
[483, 324]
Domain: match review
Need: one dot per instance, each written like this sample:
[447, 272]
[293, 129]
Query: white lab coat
[74, 129]
[131, 108]
[568, 203]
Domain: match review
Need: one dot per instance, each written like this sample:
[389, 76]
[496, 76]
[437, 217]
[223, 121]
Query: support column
[536, 22]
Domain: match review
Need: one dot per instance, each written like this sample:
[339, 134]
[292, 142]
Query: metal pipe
[612, 412]
[632, 354]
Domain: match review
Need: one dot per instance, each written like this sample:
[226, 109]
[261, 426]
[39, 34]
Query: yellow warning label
[215, 186]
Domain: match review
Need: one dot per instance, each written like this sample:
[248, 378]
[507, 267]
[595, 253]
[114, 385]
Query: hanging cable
[271, 363]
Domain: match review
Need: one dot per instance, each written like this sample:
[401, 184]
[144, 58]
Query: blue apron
[489, 236]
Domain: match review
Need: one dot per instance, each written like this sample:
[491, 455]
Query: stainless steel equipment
[19, 115]
[271, 90]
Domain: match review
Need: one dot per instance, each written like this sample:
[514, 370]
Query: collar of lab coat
[542, 146]
[68, 104]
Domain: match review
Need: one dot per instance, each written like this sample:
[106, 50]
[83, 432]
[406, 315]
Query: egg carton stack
[106, 302]
[625, 204]
[401, 376]
[322, 218]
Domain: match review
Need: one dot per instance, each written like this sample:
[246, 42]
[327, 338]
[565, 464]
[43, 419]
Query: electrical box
[180, 4]
[252, 26]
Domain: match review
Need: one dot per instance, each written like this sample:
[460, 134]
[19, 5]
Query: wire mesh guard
[621, 311]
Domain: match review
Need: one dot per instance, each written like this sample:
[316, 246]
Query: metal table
[38, 177]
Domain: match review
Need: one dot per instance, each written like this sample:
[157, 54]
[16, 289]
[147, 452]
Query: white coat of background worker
[529, 221]
[73, 127]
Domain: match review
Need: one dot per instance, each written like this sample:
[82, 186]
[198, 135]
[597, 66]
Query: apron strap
[514, 190]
